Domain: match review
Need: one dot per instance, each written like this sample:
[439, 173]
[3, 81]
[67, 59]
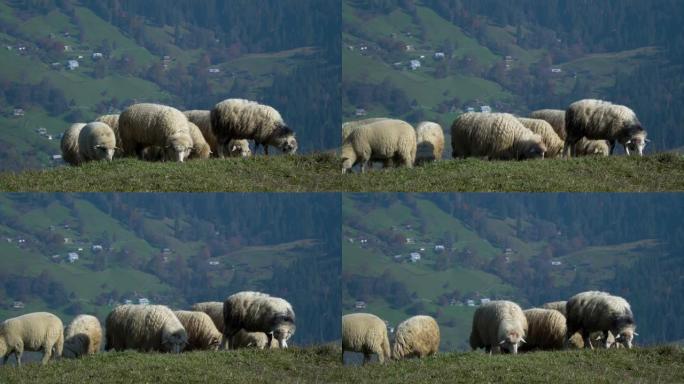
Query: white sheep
[417, 336]
[554, 144]
[498, 325]
[386, 140]
[113, 122]
[258, 312]
[39, 331]
[96, 141]
[495, 136]
[239, 148]
[584, 147]
[153, 125]
[215, 311]
[602, 120]
[365, 333]
[429, 142]
[202, 333]
[258, 340]
[83, 336]
[546, 329]
[595, 311]
[349, 126]
[69, 144]
[245, 119]
[144, 328]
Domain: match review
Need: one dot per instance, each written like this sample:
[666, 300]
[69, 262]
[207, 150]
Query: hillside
[128, 55]
[468, 250]
[321, 364]
[434, 59]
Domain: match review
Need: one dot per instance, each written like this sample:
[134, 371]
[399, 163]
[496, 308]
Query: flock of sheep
[586, 319]
[587, 127]
[245, 319]
[157, 132]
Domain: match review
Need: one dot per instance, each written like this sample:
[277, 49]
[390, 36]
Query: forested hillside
[514, 56]
[528, 248]
[174, 249]
[189, 55]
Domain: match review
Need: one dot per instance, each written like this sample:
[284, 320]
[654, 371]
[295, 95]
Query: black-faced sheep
[595, 311]
[584, 147]
[202, 333]
[144, 328]
[495, 136]
[245, 119]
[365, 333]
[498, 325]
[82, 337]
[417, 336]
[258, 312]
[546, 329]
[602, 120]
[386, 140]
[39, 331]
[429, 142]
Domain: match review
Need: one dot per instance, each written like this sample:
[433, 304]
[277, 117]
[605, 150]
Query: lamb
[553, 143]
[38, 331]
[383, 140]
[258, 312]
[148, 125]
[584, 147]
[144, 328]
[546, 329]
[365, 333]
[429, 142]
[594, 311]
[498, 325]
[416, 336]
[69, 144]
[598, 119]
[202, 333]
[82, 337]
[96, 141]
[259, 340]
[245, 119]
[494, 135]
[239, 148]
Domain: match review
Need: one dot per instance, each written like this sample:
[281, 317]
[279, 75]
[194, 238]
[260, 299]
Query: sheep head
[533, 149]
[284, 139]
[174, 342]
[239, 148]
[511, 342]
[178, 147]
[283, 329]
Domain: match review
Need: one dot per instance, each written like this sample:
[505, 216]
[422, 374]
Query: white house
[470, 303]
[484, 300]
[73, 256]
[438, 55]
[360, 304]
[56, 157]
[97, 55]
[415, 257]
[556, 263]
[96, 248]
[439, 248]
[360, 112]
[143, 301]
[414, 64]
[18, 112]
[18, 305]
[214, 262]
[470, 109]
[72, 64]
[397, 257]
[127, 301]
[556, 70]
[214, 70]
[422, 249]
[485, 109]
[410, 241]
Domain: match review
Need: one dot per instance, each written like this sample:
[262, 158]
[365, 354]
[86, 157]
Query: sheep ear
[522, 340]
[502, 342]
[629, 141]
[233, 148]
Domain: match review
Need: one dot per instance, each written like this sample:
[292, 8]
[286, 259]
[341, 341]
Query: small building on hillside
[360, 304]
[439, 55]
[485, 109]
[72, 64]
[439, 248]
[73, 257]
[415, 257]
[414, 64]
[144, 301]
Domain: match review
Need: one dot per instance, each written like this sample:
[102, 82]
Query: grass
[321, 364]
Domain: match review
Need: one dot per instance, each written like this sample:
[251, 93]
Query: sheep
[594, 311]
[96, 141]
[69, 144]
[576, 340]
[349, 126]
[557, 305]
[144, 328]
[494, 135]
[383, 140]
[546, 329]
[202, 333]
[38, 331]
[215, 311]
[416, 336]
[82, 337]
[144, 125]
[498, 325]
[113, 122]
[258, 312]
[429, 142]
[598, 119]
[365, 333]
[259, 340]
[553, 143]
[239, 148]
[584, 147]
[245, 119]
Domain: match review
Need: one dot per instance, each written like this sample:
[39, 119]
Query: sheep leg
[587, 340]
[366, 358]
[4, 359]
[606, 343]
[269, 338]
[265, 149]
[612, 147]
[47, 354]
[626, 149]
[17, 355]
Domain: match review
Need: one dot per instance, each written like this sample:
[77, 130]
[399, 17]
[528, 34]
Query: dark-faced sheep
[429, 142]
[82, 337]
[595, 311]
[258, 312]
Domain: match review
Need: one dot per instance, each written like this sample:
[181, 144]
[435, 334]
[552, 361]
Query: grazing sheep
[429, 142]
[153, 125]
[96, 141]
[602, 120]
[556, 305]
[200, 147]
[553, 143]
[144, 328]
[383, 140]
[39, 331]
[245, 119]
[349, 126]
[584, 147]
[259, 340]
[417, 336]
[576, 340]
[595, 311]
[82, 337]
[215, 311]
[498, 325]
[365, 333]
[239, 148]
[494, 135]
[202, 333]
[546, 329]
[113, 122]
[258, 312]
[69, 144]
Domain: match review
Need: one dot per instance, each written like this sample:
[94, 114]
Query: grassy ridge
[322, 364]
